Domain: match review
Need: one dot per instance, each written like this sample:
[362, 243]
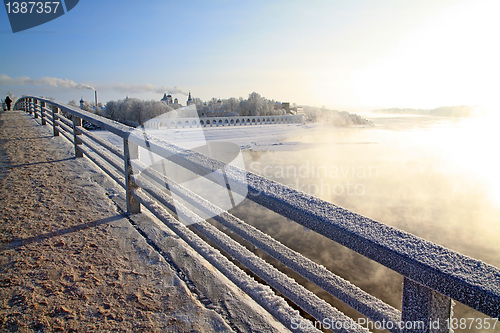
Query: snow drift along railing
[433, 275]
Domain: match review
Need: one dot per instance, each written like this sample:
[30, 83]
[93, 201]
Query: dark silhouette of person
[8, 101]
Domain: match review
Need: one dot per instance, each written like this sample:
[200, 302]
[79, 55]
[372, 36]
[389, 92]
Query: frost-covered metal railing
[433, 275]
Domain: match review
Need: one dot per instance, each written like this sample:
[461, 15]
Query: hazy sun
[452, 59]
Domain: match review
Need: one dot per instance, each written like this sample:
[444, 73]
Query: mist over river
[435, 177]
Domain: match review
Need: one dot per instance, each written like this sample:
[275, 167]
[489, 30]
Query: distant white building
[167, 98]
[169, 101]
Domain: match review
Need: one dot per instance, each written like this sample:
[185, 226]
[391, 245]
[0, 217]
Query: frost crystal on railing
[214, 187]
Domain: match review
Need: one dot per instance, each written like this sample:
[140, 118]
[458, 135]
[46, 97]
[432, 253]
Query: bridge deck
[68, 258]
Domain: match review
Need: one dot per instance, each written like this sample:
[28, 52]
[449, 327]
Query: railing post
[76, 133]
[35, 106]
[42, 113]
[55, 111]
[424, 310]
[130, 151]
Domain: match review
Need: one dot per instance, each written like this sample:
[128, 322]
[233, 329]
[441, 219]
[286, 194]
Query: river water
[432, 176]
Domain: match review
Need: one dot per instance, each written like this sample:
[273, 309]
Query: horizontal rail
[433, 274]
[279, 281]
[116, 151]
[110, 159]
[113, 174]
[262, 294]
[351, 295]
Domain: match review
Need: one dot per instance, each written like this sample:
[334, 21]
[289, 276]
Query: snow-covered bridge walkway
[71, 260]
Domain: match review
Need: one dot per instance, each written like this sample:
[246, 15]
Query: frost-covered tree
[133, 111]
[231, 105]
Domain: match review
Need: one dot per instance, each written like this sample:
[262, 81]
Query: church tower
[167, 99]
[189, 100]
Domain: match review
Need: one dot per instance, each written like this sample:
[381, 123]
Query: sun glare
[449, 60]
[466, 149]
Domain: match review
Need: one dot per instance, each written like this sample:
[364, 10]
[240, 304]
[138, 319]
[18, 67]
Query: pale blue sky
[351, 54]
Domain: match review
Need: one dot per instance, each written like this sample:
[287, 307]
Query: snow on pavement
[69, 260]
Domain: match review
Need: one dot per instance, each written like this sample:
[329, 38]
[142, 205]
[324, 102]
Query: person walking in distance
[8, 101]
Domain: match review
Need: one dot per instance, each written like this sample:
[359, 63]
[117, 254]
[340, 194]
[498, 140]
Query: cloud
[44, 81]
[6, 80]
[128, 88]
